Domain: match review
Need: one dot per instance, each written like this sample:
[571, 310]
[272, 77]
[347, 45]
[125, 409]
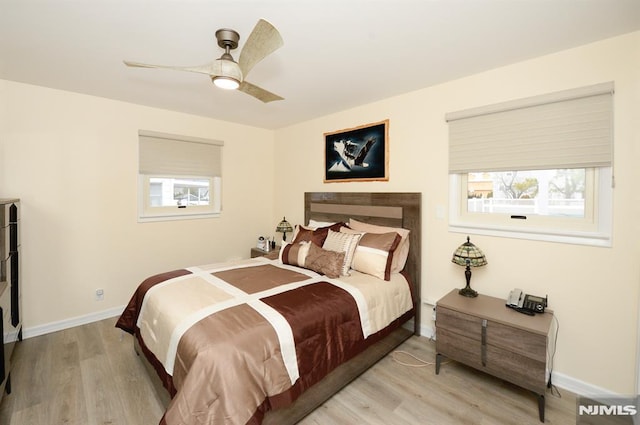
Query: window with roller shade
[178, 177]
[535, 168]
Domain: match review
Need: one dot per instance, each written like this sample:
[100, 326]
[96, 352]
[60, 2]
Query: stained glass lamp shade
[284, 227]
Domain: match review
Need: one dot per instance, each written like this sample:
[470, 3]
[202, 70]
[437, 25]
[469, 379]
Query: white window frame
[154, 213]
[164, 157]
[594, 229]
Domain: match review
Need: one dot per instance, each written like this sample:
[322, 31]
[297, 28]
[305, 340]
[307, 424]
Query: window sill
[575, 238]
[149, 219]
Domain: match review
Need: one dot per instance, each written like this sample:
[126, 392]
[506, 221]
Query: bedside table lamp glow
[284, 227]
[468, 255]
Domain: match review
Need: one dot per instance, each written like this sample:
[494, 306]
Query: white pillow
[315, 224]
[342, 242]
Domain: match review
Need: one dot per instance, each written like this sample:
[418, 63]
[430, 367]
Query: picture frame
[357, 154]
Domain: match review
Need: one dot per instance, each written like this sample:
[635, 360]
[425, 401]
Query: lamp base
[468, 292]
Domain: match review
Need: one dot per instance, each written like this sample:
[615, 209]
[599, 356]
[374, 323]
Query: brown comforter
[231, 343]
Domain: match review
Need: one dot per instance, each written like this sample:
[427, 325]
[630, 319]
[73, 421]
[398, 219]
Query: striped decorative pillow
[342, 242]
[374, 254]
[295, 254]
[402, 252]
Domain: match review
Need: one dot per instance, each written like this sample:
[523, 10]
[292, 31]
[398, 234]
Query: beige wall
[72, 159]
[594, 291]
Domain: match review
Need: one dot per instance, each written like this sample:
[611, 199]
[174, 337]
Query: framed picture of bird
[357, 154]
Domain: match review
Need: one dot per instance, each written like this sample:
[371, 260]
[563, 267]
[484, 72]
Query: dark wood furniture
[483, 333]
[387, 209]
[10, 323]
[257, 252]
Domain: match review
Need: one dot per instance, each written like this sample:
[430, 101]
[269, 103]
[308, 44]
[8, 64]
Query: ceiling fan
[228, 74]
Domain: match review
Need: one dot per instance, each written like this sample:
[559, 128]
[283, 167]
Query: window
[543, 193]
[178, 176]
[537, 168]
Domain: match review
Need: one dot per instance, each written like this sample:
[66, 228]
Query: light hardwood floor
[90, 375]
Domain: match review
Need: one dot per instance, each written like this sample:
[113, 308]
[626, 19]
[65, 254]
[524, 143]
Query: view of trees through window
[540, 192]
[166, 192]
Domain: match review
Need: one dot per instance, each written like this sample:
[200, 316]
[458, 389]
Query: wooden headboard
[402, 209]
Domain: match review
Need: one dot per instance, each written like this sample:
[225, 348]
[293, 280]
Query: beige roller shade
[170, 154]
[568, 129]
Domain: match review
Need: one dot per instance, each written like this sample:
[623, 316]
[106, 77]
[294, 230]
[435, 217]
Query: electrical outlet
[99, 294]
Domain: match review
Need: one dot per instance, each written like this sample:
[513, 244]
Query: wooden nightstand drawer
[272, 254]
[527, 344]
[517, 369]
[459, 347]
[460, 323]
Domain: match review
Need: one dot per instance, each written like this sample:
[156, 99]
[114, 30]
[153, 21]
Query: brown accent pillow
[374, 254]
[317, 236]
[324, 262]
[402, 252]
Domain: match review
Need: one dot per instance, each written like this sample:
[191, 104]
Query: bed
[294, 363]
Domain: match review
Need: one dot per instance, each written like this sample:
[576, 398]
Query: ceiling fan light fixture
[226, 83]
[226, 74]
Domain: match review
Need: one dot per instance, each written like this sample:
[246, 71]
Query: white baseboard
[71, 322]
[425, 331]
[582, 388]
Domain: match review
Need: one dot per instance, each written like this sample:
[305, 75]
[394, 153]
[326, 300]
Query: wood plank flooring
[90, 375]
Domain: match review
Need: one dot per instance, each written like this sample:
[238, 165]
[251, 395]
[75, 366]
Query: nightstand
[272, 254]
[483, 333]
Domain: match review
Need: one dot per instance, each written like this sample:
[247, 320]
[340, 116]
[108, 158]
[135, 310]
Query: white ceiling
[338, 54]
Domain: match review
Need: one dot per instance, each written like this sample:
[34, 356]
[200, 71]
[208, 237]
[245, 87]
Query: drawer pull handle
[484, 342]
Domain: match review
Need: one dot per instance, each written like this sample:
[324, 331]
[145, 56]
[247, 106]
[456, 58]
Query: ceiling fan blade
[263, 40]
[258, 93]
[203, 69]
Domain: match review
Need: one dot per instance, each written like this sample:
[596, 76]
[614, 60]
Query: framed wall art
[357, 154]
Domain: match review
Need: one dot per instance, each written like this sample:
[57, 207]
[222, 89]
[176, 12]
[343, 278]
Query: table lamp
[284, 227]
[468, 255]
